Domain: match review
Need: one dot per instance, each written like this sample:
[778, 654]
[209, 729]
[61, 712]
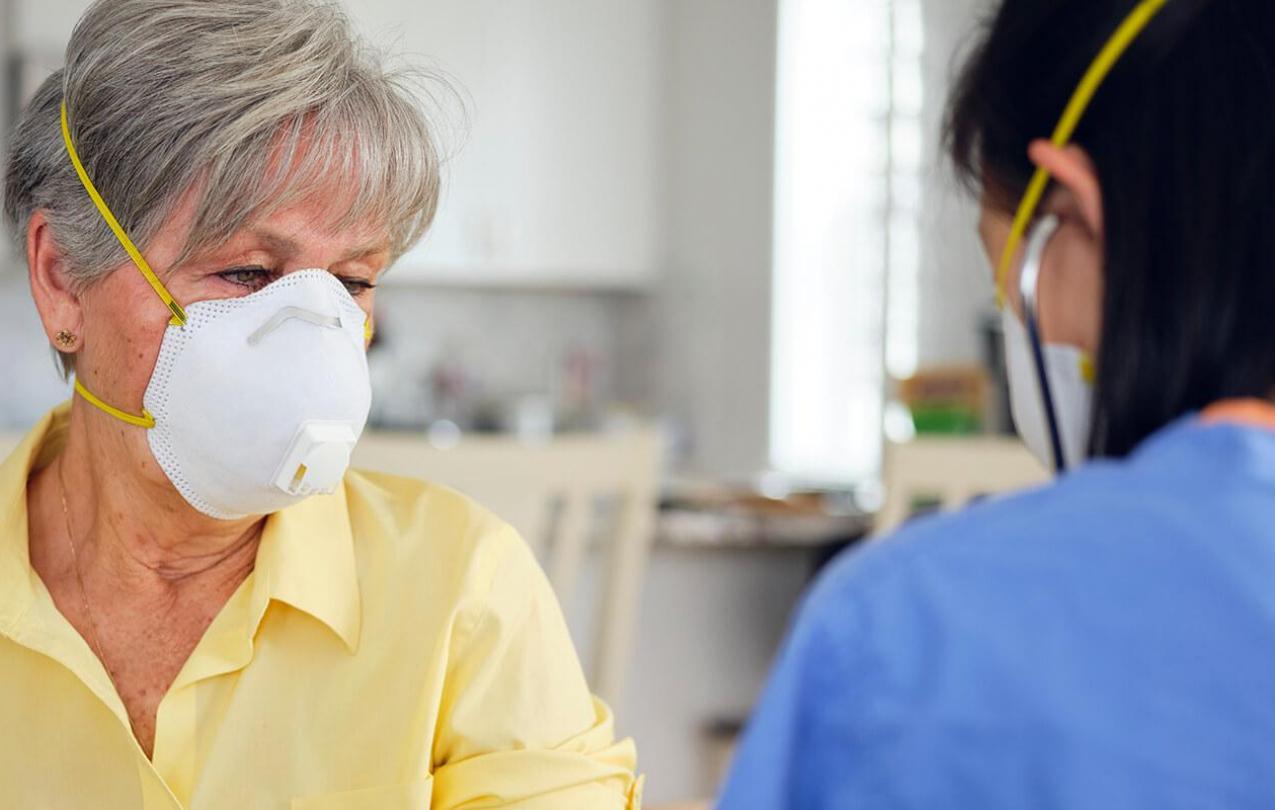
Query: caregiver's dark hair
[1182, 135]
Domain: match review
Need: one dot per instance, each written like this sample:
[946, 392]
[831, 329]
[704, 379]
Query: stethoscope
[1028, 289]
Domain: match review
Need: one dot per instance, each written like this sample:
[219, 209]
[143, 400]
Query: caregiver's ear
[1077, 191]
[55, 298]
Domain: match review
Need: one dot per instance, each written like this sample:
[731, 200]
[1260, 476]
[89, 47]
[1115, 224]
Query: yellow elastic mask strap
[144, 421]
[179, 314]
[1115, 48]
[1088, 371]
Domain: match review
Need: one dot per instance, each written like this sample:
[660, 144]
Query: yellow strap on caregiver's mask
[1120, 41]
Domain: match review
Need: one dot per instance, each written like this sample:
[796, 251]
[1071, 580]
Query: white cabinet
[557, 180]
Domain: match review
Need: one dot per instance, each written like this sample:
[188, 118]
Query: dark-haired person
[1107, 641]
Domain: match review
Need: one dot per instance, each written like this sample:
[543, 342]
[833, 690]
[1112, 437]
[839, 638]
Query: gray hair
[247, 104]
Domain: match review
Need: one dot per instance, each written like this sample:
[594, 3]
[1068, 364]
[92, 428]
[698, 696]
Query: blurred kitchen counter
[708, 515]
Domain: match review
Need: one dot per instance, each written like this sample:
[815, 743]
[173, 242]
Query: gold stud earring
[66, 339]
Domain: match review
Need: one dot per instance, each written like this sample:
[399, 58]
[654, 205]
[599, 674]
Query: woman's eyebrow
[286, 247]
[367, 249]
[281, 245]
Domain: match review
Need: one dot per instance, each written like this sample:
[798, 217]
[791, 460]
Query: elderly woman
[199, 607]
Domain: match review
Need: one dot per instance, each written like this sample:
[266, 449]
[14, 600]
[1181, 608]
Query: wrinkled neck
[128, 520]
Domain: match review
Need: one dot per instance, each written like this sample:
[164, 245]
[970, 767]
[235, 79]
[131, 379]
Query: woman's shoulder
[1168, 493]
[405, 528]
[1000, 533]
[411, 501]
[1012, 563]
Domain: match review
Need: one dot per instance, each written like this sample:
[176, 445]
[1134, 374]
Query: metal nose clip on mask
[255, 403]
[1048, 403]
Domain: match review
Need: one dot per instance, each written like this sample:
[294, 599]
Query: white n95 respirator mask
[255, 403]
[258, 401]
[1050, 385]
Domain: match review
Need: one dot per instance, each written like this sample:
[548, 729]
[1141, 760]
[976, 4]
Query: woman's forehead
[294, 233]
[286, 229]
[291, 226]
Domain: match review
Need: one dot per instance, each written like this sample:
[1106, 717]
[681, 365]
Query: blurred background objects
[709, 241]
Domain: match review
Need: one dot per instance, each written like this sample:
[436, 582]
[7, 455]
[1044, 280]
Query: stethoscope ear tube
[1028, 288]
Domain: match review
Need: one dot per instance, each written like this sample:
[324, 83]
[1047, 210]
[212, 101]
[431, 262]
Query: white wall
[48, 23]
[711, 315]
[32, 384]
[955, 278]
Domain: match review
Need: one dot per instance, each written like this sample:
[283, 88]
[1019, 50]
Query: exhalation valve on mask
[317, 459]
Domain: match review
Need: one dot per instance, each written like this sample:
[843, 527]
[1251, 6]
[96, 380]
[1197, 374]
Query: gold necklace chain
[79, 578]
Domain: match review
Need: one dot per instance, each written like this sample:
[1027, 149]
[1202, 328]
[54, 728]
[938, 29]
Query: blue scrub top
[1105, 642]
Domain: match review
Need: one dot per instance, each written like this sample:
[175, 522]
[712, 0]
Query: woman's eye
[356, 286]
[253, 278]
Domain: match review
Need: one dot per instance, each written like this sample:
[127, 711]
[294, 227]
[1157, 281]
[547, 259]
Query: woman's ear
[1071, 288]
[56, 299]
[1075, 175]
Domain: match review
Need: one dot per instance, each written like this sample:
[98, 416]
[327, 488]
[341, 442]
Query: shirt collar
[306, 556]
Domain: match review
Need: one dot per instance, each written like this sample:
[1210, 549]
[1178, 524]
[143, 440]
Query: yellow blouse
[395, 647]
